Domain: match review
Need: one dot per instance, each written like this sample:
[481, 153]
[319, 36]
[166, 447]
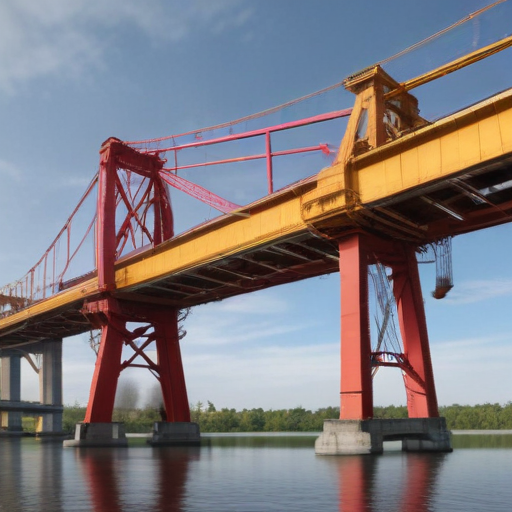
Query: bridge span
[443, 179]
[398, 184]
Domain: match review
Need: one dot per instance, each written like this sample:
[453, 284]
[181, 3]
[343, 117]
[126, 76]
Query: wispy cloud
[468, 343]
[51, 37]
[473, 370]
[230, 333]
[271, 377]
[261, 304]
[241, 319]
[479, 290]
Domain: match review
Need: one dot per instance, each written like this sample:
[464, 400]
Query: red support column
[164, 221]
[106, 375]
[112, 317]
[106, 223]
[170, 367]
[421, 401]
[356, 379]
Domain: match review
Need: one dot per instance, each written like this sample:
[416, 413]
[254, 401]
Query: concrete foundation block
[348, 437]
[345, 437]
[98, 435]
[175, 434]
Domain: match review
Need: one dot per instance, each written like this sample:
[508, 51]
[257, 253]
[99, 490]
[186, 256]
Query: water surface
[252, 473]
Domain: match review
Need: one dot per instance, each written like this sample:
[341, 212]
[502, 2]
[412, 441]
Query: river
[254, 473]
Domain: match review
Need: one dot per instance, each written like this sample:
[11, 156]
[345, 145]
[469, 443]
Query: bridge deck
[450, 177]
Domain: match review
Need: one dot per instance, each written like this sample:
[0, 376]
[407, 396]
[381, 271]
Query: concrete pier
[107, 435]
[348, 437]
[175, 434]
[10, 390]
[50, 386]
[49, 409]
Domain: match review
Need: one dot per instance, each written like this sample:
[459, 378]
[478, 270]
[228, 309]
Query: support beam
[10, 389]
[50, 384]
[158, 325]
[106, 375]
[421, 402]
[356, 379]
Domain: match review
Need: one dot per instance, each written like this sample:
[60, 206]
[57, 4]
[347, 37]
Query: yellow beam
[459, 63]
[436, 152]
[270, 222]
[53, 304]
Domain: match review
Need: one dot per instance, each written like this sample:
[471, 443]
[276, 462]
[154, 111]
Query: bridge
[398, 185]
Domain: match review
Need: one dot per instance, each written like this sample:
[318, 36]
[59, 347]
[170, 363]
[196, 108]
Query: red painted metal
[254, 133]
[117, 157]
[324, 148]
[421, 400]
[356, 393]
[108, 363]
[198, 192]
[160, 326]
[270, 179]
[106, 212]
[172, 378]
[395, 360]
[356, 253]
[110, 315]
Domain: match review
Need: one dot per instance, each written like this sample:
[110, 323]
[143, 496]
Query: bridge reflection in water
[161, 480]
[415, 480]
[247, 473]
[254, 473]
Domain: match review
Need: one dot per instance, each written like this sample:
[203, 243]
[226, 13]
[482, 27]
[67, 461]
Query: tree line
[139, 420]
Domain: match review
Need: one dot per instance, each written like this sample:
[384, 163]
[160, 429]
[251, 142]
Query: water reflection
[243, 473]
[160, 474]
[101, 470]
[422, 470]
[406, 482]
[173, 470]
[10, 469]
[49, 457]
[356, 476]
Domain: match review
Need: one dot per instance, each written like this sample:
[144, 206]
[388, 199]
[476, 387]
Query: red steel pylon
[357, 251]
[154, 324]
[115, 317]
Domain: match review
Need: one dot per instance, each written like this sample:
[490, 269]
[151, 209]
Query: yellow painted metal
[438, 151]
[454, 65]
[216, 241]
[52, 304]
[272, 219]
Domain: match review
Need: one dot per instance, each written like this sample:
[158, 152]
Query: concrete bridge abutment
[360, 437]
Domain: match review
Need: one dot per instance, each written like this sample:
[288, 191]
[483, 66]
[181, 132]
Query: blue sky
[75, 73]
